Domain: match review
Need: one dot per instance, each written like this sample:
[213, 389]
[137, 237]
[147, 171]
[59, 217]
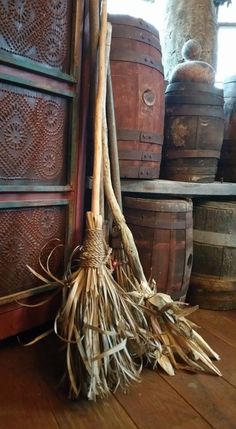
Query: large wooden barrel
[138, 86]
[194, 127]
[213, 279]
[163, 231]
[227, 164]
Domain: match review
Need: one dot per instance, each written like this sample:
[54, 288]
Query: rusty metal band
[133, 57]
[124, 32]
[139, 155]
[191, 170]
[190, 110]
[194, 99]
[133, 22]
[153, 222]
[191, 87]
[128, 170]
[138, 135]
[182, 153]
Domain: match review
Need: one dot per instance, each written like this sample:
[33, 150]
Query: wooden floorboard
[23, 401]
[154, 404]
[227, 363]
[213, 397]
[31, 397]
[220, 323]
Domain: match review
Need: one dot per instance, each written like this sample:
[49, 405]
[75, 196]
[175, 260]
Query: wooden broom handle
[99, 112]
[114, 157]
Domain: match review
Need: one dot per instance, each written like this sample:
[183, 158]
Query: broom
[166, 319]
[96, 319]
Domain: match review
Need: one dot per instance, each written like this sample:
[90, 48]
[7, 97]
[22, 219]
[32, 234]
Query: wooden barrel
[163, 231]
[138, 86]
[227, 164]
[194, 126]
[213, 279]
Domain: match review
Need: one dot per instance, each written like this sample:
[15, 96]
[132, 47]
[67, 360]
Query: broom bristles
[97, 322]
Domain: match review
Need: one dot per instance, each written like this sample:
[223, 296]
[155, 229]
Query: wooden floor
[30, 397]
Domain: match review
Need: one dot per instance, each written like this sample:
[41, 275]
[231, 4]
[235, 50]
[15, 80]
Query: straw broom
[96, 319]
[182, 346]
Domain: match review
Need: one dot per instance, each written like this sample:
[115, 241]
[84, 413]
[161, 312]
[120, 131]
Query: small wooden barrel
[138, 87]
[213, 279]
[227, 164]
[163, 231]
[194, 126]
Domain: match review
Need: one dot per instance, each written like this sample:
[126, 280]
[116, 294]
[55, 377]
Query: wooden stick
[95, 206]
[113, 148]
[127, 237]
[94, 26]
[94, 37]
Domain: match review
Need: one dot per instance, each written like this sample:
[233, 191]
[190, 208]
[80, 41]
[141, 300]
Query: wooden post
[186, 20]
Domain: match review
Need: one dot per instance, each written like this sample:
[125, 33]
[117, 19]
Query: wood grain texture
[153, 404]
[226, 365]
[212, 396]
[170, 187]
[24, 402]
[220, 323]
[31, 396]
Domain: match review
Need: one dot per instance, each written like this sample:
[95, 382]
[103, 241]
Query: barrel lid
[158, 205]
[132, 21]
[193, 70]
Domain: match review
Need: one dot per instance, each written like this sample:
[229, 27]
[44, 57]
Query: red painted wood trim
[15, 318]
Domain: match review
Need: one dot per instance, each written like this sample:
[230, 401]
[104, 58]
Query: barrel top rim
[217, 204]
[149, 204]
[194, 85]
[126, 19]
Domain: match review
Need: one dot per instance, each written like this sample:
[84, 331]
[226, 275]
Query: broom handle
[114, 157]
[94, 37]
[95, 205]
[127, 237]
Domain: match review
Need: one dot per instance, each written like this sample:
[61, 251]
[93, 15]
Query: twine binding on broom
[94, 251]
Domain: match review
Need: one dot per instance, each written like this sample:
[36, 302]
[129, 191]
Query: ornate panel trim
[33, 137]
[39, 30]
[23, 234]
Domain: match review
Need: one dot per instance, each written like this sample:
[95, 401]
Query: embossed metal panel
[40, 151]
[23, 233]
[39, 30]
[33, 135]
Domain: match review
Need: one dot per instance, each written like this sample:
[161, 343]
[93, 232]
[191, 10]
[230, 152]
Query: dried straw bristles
[97, 322]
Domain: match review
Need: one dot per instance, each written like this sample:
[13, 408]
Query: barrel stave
[162, 231]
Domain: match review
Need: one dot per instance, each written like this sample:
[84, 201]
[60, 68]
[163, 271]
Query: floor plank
[82, 414]
[31, 398]
[23, 401]
[227, 364]
[37, 401]
[154, 404]
[212, 396]
[220, 323]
